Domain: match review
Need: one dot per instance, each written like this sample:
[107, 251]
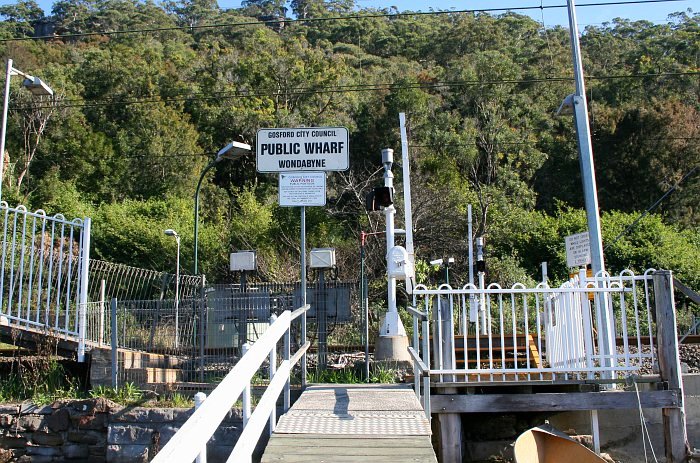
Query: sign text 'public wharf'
[303, 149]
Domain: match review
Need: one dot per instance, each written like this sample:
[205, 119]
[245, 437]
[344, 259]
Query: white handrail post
[286, 356]
[101, 338]
[198, 401]
[273, 370]
[83, 297]
[246, 392]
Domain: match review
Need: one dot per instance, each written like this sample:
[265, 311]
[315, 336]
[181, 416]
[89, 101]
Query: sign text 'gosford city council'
[303, 149]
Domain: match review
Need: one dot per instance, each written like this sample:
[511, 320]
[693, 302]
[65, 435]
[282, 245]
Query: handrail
[695, 297]
[422, 367]
[417, 313]
[187, 443]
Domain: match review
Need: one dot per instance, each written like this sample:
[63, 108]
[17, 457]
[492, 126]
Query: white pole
[472, 299]
[408, 214]
[272, 370]
[392, 322]
[583, 130]
[198, 401]
[101, 335]
[5, 105]
[83, 298]
[177, 293]
[246, 392]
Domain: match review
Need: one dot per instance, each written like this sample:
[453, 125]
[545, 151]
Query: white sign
[302, 189]
[243, 260]
[578, 250]
[303, 149]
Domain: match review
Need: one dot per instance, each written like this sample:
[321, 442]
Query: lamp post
[31, 83]
[233, 150]
[171, 232]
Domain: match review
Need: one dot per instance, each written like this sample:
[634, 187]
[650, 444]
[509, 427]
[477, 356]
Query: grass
[377, 375]
[130, 395]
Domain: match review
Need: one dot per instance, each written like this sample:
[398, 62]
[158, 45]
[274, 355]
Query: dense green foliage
[138, 115]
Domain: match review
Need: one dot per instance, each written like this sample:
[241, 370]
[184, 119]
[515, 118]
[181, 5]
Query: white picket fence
[44, 272]
[530, 334]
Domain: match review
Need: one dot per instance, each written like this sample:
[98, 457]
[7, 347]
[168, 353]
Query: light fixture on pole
[31, 83]
[171, 232]
[233, 150]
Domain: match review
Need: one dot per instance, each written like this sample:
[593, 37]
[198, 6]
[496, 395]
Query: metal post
[392, 323]
[246, 394]
[101, 335]
[285, 357]
[595, 431]
[114, 342]
[473, 306]
[365, 301]
[303, 293]
[272, 371]
[482, 284]
[83, 299]
[202, 325]
[408, 215]
[3, 134]
[177, 294]
[198, 401]
[583, 131]
[196, 213]
[322, 321]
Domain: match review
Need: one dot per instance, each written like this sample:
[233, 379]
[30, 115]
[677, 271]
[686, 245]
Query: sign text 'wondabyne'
[302, 149]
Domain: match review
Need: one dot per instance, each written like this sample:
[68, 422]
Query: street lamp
[233, 150]
[36, 86]
[171, 232]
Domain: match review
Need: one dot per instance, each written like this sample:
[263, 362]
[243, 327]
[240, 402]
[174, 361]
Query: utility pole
[577, 102]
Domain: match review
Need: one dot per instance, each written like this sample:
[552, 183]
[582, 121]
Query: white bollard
[198, 401]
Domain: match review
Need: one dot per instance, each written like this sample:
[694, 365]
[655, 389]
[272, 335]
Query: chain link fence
[192, 343]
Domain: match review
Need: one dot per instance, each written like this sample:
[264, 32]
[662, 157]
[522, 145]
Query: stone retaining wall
[97, 430]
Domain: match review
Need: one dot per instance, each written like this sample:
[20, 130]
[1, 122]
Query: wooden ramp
[353, 423]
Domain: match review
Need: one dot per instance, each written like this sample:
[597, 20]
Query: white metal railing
[518, 333]
[193, 436]
[44, 271]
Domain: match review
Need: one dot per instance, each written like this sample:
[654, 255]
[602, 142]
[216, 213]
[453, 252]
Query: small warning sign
[302, 189]
[578, 250]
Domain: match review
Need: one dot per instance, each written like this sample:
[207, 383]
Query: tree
[272, 8]
[19, 18]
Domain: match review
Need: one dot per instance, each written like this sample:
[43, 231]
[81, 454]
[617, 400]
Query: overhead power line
[332, 18]
[301, 91]
[652, 207]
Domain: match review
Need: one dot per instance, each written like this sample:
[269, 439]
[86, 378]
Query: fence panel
[586, 329]
[40, 271]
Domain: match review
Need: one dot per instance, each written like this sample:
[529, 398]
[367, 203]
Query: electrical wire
[328, 19]
[651, 208]
[307, 91]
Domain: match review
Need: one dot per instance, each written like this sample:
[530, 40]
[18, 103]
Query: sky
[596, 15]
[586, 15]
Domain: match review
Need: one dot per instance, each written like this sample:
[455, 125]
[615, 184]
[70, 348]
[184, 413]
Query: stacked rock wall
[97, 430]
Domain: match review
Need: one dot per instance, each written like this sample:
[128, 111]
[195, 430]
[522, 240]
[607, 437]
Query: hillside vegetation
[147, 93]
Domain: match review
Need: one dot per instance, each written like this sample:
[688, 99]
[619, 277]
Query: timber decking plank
[318, 440]
[323, 426]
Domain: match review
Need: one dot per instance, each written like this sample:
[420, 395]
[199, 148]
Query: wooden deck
[353, 423]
